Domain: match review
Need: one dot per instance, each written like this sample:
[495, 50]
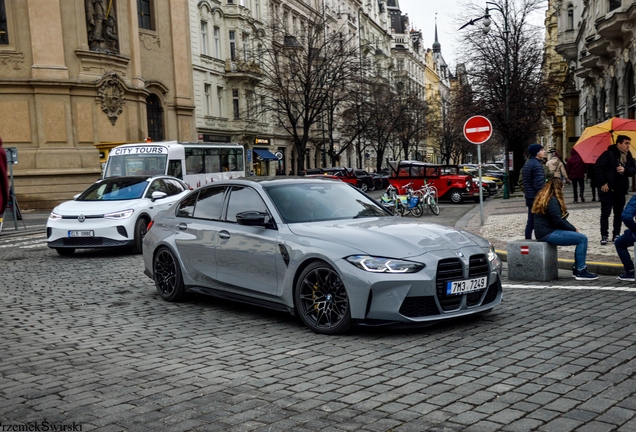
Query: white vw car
[113, 212]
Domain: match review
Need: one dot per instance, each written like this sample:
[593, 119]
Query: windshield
[306, 202]
[135, 164]
[115, 190]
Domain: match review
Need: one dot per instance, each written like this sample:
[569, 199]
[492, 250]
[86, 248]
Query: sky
[422, 15]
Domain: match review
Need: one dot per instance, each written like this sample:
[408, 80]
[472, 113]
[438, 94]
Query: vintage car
[453, 187]
[489, 187]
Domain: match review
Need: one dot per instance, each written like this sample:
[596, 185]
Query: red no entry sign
[477, 129]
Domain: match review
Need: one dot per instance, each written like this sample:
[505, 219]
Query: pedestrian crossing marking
[589, 287]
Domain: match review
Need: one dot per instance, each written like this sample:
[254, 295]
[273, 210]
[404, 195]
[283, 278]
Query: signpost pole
[481, 188]
[478, 130]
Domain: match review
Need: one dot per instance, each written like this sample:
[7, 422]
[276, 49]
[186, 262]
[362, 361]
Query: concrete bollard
[532, 260]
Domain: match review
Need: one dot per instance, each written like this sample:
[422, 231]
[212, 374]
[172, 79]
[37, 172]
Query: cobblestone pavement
[86, 341]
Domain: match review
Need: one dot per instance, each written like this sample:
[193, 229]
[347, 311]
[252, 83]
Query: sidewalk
[505, 220]
[33, 221]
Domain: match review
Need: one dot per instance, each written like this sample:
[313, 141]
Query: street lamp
[486, 29]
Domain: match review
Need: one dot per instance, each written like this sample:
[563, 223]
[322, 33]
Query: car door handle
[182, 226]
[224, 234]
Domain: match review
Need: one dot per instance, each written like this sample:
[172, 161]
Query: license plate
[466, 286]
[81, 234]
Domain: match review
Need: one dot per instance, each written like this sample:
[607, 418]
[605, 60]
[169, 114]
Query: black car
[365, 179]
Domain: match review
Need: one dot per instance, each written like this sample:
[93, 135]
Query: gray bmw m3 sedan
[319, 249]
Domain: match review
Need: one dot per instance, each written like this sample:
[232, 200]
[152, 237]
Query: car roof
[276, 180]
[136, 177]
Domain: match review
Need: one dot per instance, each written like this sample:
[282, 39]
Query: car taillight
[149, 225]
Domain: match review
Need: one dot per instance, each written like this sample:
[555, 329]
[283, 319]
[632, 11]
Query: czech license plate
[81, 233]
[466, 286]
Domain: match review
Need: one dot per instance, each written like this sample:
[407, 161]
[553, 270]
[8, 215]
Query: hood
[94, 207]
[394, 237]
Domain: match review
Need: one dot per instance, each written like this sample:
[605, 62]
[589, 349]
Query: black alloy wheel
[167, 275]
[321, 300]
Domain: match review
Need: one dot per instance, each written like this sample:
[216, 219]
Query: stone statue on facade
[101, 25]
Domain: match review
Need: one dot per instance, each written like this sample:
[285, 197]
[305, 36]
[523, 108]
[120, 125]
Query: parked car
[368, 179]
[489, 188]
[321, 250]
[347, 175]
[474, 171]
[112, 212]
[450, 186]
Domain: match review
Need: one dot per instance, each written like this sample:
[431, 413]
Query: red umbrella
[595, 139]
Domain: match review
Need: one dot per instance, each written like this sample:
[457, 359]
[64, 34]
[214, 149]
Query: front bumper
[106, 233]
[421, 297]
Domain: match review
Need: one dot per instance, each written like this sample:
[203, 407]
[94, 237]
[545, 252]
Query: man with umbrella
[612, 170]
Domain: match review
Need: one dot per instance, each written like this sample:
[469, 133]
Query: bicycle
[428, 197]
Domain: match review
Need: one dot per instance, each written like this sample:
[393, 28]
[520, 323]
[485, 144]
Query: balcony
[567, 44]
[617, 22]
[241, 69]
[597, 45]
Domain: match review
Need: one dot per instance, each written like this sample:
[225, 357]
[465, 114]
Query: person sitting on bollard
[551, 226]
[627, 240]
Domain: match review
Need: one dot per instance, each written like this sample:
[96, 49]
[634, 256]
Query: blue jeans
[571, 238]
[621, 244]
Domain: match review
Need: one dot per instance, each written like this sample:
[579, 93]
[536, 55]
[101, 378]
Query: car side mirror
[157, 195]
[254, 218]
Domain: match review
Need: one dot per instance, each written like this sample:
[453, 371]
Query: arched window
[570, 24]
[154, 112]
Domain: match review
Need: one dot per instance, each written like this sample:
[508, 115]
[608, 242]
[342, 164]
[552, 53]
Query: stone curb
[601, 268]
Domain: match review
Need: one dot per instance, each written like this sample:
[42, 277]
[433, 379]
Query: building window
[246, 46]
[155, 118]
[614, 4]
[230, 1]
[570, 17]
[235, 104]
[217, 43]
[144, 13]
[4, 31]
[219, 98]
[232, 44]
[204, 37]
[208, 108]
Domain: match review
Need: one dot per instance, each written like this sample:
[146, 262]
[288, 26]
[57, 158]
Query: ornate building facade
[77, 73]
[596, 38]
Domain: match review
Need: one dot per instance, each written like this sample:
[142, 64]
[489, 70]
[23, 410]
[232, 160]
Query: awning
[265, 154]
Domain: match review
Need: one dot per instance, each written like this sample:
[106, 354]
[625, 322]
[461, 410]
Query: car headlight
[384, 265]
[492, 255]
[55, 216]
[125, 214]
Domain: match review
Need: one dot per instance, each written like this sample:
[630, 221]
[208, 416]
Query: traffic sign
[477, 129]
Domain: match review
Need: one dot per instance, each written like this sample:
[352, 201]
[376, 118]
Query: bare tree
[305, 76]
[516, 116]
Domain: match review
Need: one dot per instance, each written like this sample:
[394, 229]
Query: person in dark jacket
[627, 240]
[4, 182]
[612, 170]
[533, 180]
[576, 171]
[551, 226]
[592, 178]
